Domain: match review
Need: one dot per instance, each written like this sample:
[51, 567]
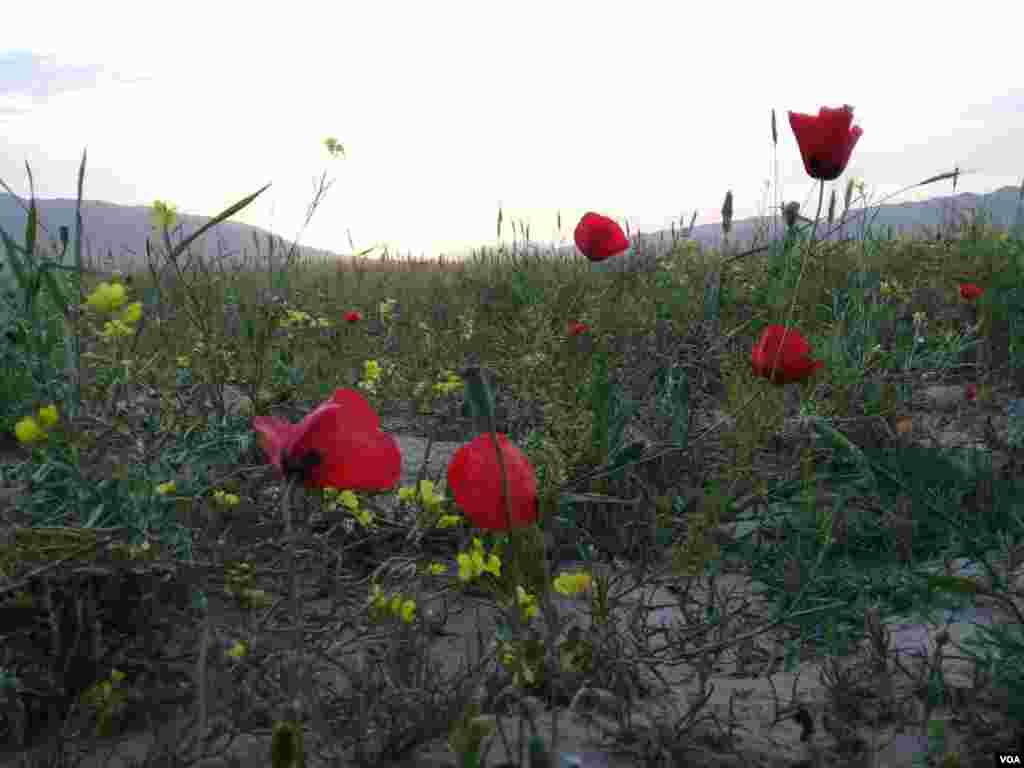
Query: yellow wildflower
[572, 584]
[106, 297]
[28, 431]
[165, 488]
[527, 603]
[408, 611]
[238, 650]
[48, 416]
[132, 313]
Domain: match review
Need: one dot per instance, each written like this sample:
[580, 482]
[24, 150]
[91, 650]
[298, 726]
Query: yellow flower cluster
[298, 319]
[110, 296]
[163, 489]
[527, 604]
[573, 583]
[107, 699]
[164, 215]
[476, 562]
[451, 383]
[238, 650]
[372, 371]
[107, 297]
[33, 429]
[335, 498]
[396, 605]
[226, 499]
[430, 500]
[385, 308]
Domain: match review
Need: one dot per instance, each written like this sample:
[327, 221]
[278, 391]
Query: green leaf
[54, 289]
[479, 398]
[842, 444]
[16, 264]
[958, 585]
[222, 216]
[30, 227]
[673, 397]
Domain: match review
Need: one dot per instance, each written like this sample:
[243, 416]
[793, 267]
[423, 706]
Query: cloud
[29, 79]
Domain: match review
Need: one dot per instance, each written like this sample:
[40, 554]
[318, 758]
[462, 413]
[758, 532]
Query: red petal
[475, 482]
[360, 461]
[273, 435]
[599, 237]
[352, 457]
[358, 411]
[794, 362]
[345, 434]
[969, 291]
[826, 140]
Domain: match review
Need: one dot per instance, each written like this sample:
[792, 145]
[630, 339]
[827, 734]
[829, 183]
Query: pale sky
[643, 111]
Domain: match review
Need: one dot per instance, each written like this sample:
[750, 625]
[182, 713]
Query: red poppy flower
[353, 317]
[972, 392]
[794, 362]
[969, 291]
[826, 141]
[576, 328]
[338, 444]
[599, 237]
[475, 482]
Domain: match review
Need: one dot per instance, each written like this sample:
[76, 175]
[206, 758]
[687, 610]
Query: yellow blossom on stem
[29, 432]
[572, 583]
[106, 297]
[165, 488]
[226, 499]
[238, 650]
[527, 603]
[473, 564]
[132, 313]
[48, 416]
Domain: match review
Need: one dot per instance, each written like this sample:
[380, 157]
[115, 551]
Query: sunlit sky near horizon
[645, 112]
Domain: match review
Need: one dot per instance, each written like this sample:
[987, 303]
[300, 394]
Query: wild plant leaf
[479, 398]
[227, 213]
[713, 296]
[841, 443]
[14, 260]
[673, 399]
[30, 227]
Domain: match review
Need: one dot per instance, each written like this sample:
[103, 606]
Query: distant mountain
[917, 219]
[114, 236]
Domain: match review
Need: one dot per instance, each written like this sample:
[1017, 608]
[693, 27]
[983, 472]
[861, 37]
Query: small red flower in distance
[794, 363]
[971, 392]
[353, 317]
[599, 237]
[576, 328]
[826, 140]
[338, 444]
[475, 481]
[969, 291]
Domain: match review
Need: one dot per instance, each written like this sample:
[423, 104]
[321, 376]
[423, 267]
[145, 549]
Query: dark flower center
[300, 465]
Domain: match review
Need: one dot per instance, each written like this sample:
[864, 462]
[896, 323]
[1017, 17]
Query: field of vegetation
[214, 548]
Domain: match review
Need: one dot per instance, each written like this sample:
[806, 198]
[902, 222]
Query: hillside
[114, 236]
